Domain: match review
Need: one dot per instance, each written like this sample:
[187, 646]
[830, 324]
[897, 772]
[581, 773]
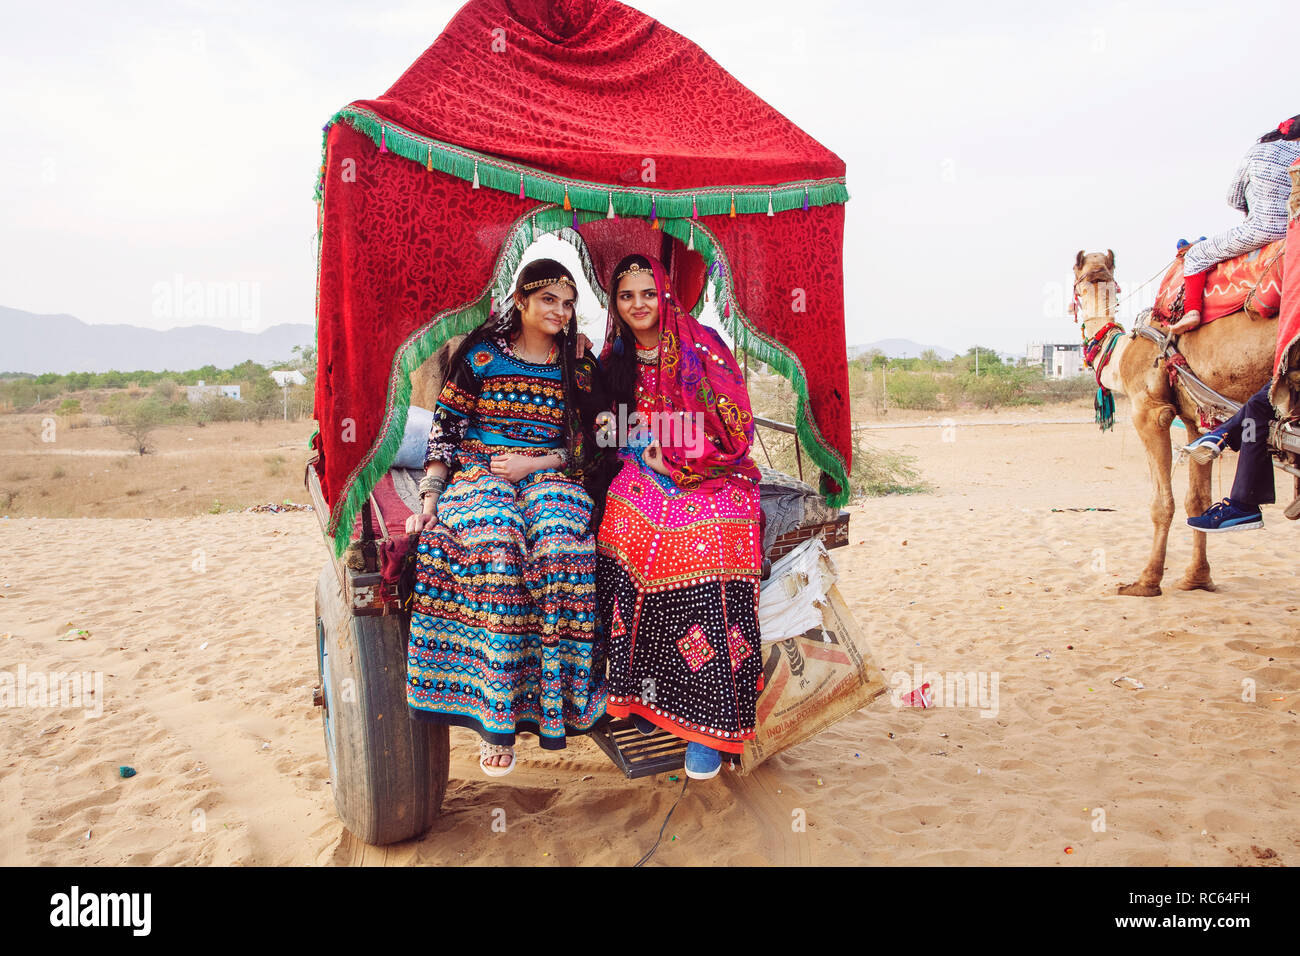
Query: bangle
[432, 485]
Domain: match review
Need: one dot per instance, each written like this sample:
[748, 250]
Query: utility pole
[977, 361]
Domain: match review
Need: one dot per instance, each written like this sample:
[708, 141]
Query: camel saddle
[1252, 282]
[1212, 407]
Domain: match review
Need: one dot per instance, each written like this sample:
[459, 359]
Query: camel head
[1094, 267]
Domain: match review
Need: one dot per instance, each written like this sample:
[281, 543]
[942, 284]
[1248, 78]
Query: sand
[202, 628]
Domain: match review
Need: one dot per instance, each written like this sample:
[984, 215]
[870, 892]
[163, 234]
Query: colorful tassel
[654, 214]
[695, 212]
[428, 160]
[805, 199]
[521, 186]
[769, 205]
[383, 139]
[575, 219]
[567, 205]
[475, 184]
[655, 224]
[732, 214]
[726, 309]
[690, 243]
[610, 214]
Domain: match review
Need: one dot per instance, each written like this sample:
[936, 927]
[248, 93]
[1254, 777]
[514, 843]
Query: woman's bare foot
[1188, 322]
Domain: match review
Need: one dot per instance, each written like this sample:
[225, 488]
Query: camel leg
[1152, 420]
[1197, 575]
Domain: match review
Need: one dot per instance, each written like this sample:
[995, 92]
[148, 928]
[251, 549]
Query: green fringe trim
[431, 336]
[495, 173]
[424, 342]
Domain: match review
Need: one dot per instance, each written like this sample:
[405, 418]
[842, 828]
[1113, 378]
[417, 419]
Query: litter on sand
[1132, 681]
[125, 771]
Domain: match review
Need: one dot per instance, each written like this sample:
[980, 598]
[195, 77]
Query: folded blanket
[1252, 282]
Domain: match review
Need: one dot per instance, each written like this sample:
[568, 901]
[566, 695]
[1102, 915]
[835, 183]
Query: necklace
[517, 348]
[648, 356]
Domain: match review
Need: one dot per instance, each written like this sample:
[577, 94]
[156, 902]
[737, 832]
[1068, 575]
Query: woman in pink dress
[678, 552]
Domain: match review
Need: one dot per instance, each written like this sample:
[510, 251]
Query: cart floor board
[637, 754]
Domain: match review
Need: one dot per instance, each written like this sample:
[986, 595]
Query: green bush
[914, 390]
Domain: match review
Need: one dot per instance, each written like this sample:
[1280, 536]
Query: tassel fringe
[528, 183]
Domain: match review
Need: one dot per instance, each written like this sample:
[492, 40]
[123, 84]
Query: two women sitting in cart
[507, 631]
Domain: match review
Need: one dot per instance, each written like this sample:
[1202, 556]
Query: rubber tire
[388, 772]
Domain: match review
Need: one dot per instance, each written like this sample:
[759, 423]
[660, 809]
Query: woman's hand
[417, 523]
[515, 468]
[654, 458]
[583, 344]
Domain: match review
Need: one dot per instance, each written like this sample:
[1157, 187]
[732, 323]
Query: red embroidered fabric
[587, 89]
[1255, 278]
[590, 89]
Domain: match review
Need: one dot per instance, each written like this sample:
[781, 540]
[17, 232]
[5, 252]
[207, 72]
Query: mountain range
[62, 343]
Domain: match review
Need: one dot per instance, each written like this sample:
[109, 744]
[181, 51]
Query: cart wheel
[388, 772]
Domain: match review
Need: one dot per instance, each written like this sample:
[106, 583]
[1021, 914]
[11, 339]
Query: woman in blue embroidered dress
[503, 634]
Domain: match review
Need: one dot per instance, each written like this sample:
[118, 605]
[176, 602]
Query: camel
[1233, 355]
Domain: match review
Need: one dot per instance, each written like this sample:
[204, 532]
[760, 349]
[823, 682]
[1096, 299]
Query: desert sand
[203, 629]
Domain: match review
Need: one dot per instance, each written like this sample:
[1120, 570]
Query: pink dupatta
[700, 385]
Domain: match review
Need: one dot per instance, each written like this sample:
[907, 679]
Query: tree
[304, 359]
[137, 422]
[265, 400]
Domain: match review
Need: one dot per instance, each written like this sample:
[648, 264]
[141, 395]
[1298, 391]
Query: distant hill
[900, 348]
[61, 343]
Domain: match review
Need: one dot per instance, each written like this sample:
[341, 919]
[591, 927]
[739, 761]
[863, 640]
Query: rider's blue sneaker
[702, 763]
[1207, 448]
[1225, 516]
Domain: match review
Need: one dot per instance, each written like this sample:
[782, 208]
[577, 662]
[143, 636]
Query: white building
[1057, 361]
[202, 392]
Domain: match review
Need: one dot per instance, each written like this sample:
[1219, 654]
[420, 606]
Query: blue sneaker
[702, 763]
[1225, 516]
[1207, 448]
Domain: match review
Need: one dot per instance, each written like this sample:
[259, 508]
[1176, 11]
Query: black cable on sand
[659, 839]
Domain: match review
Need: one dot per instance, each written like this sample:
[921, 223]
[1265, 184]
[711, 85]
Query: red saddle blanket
[1252, 281]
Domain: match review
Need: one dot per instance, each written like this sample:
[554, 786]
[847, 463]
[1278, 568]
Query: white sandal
[486, 750]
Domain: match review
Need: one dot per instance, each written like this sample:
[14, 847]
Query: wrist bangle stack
[432, 485]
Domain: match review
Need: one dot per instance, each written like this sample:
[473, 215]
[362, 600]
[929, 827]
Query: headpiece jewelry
[634, 269]
[528, 286]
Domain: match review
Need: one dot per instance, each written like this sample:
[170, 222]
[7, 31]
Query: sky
[150, 145]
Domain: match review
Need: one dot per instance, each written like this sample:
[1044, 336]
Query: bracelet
[432, 485]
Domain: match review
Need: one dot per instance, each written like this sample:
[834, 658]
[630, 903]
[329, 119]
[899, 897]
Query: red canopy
[589, 119]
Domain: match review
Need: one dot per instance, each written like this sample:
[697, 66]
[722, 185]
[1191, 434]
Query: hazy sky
[986, 143]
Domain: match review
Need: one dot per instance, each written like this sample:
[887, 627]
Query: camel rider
[1260, 190]
[1247, 434]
